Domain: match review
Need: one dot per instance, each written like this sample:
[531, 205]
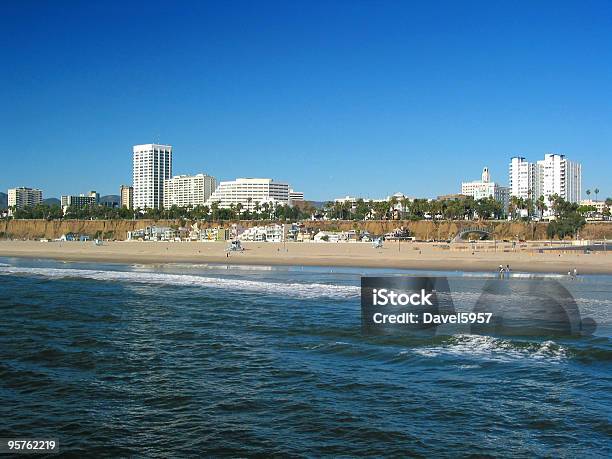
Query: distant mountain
[3, 200]
[110, 199]
[51, 202]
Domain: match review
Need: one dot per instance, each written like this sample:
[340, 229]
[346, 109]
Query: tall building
[126, 194]
[555, 174]
[152, 165]
[24, 197]
[249, 192]
[80, 201]
[188, 190]
[522, 178]
[485, 188]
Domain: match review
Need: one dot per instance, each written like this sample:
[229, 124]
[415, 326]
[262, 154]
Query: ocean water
[185, 360]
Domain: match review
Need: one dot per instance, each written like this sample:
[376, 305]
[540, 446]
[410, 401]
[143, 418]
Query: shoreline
[414, 256]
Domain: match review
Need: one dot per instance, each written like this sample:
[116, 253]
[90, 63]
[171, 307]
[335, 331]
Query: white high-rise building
[24, 197]
[152, 165]
[249, 192]
[522, 178]
[188, 190]
[556, 174]
[485, 188]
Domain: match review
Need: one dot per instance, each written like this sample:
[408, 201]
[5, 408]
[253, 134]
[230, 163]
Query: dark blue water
[162, 361]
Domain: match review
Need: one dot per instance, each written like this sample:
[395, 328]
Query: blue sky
[335, 97]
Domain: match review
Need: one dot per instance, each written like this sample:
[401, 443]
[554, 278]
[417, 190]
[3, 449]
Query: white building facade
[249, 192]
[485, 188]
[295, 197]
[152, 164]
[188, 190]
[521, 178]
[24, 197]
[555, 174]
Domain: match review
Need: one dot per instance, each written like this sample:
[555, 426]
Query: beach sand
[408, 255]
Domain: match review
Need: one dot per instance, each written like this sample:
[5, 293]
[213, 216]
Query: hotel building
[126, 194]
[24, 197]
[80, 201]
[188, 190]
[152, 165]
[250, 191]
[485, 188]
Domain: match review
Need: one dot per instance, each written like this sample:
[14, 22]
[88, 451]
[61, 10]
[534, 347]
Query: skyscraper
[152, 165]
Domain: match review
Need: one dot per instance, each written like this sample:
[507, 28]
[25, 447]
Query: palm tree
[238, 209]
[514, 206]
[541, 205]
[588, 192]
[596, 191]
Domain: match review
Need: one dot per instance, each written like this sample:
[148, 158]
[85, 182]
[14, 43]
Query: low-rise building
[295, 197]
[600, 206]
[80, 201]
[267, 233]
[153, 233]
[250, 193]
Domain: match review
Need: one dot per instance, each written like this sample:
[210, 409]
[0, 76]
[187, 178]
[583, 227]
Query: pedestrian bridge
[485, 233]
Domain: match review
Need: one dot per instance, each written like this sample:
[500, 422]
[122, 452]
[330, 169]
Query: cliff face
[117, 229]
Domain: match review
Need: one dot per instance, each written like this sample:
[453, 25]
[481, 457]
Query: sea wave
[494, 349]
[293, 289]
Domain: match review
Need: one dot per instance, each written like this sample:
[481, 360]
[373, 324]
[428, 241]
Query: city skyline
[166, 171]
[337, 98]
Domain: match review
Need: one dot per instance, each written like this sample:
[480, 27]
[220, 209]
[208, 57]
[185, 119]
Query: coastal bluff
[425, 230]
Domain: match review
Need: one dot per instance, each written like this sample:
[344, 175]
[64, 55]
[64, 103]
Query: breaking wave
[494, 349]
[300, 290]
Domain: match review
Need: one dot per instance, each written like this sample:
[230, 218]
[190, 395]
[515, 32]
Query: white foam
[313, 290]
[494, 349]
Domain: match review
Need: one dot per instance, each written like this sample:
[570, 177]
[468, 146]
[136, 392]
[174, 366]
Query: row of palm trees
[417, 209]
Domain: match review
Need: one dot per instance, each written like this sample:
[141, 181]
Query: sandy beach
[427, 256]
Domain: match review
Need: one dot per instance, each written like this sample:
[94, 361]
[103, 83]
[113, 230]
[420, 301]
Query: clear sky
[334, 97]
